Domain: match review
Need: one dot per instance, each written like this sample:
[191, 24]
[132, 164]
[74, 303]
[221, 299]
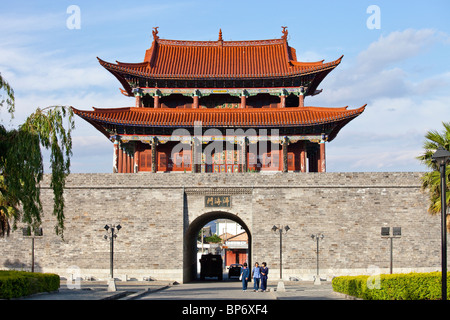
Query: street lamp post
[317, 237]
[111, 233]
[28, 232]
[386, 233]
[441, 157]
[280, 230]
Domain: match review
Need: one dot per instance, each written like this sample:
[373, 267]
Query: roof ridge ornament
[285, 33]
[155, 33]
[220, 40]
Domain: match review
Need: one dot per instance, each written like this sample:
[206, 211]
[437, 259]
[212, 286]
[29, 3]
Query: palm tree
[431, 180]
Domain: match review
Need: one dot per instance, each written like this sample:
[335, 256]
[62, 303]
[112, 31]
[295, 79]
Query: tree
[21, 162]
[431, 180]
[213, 239]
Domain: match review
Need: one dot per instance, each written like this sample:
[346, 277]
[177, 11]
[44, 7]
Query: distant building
[236, 249]
[234, 241]
[225, 226]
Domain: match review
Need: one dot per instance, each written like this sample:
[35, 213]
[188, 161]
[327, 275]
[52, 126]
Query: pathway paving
[200, 290]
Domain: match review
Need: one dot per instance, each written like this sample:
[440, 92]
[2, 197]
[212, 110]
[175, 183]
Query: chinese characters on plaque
[218, 201]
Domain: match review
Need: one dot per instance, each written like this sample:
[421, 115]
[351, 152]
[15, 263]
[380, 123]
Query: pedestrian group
[259, 275]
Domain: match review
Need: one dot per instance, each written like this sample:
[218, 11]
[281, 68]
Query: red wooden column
[243, 157]
[195, 104]
[284, 150]
[300, 100]
[193, 168]
[131, 165]
[303, 157]
[156, 103]
[196, 155]
[243, 101]
[322, 161]
[138, 101]
[282, 101]
[126, 162]
[120, 162]
[116, 157]
[136, 158]
[154, 154]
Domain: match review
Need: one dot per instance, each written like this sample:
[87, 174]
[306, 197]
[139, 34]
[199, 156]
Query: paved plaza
[198, 290]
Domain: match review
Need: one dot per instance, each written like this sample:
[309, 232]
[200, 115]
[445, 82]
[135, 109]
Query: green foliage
[213, 239]
[21, 163]
[10, 100]
[15, 284]
[411, 286]
[8, 208]
[431, 180]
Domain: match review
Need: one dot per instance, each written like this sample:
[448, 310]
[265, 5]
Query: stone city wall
[160, 214]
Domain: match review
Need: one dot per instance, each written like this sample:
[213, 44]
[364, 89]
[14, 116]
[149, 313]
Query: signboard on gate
[217, 201]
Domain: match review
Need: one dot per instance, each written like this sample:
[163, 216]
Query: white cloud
[389, 135]
[370, 159]
[376, 73]
[308, 56]
[47, 76]
[42, 79]
[19, 24]
[394, 48]
[27, 102]
[31, 71]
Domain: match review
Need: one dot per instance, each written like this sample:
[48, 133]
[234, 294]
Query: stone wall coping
[218, 181]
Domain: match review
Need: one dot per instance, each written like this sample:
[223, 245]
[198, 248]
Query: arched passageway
[190, 241]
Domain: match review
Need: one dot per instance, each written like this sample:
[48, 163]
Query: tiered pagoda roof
[248, 86]
[173, 60]
[236, 68]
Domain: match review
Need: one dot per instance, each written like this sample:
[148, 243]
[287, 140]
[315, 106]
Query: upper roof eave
[150, 117]
[249, 59]
[134, 69]
[127, 90]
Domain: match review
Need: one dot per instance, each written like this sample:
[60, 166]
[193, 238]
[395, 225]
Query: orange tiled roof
[243, 236]
[174, 59]
[214, 117]
[225, 236]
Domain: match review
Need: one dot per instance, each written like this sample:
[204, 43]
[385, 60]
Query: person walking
[256, 272]
[245, 275]
[264, 275]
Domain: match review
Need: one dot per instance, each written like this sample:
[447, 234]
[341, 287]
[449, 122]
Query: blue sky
[401, 70]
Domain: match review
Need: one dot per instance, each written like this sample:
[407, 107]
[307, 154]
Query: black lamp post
[386, 233]
[280, 230]
[28, 232]
[111, 234]
[440, 157]
[317, 237]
